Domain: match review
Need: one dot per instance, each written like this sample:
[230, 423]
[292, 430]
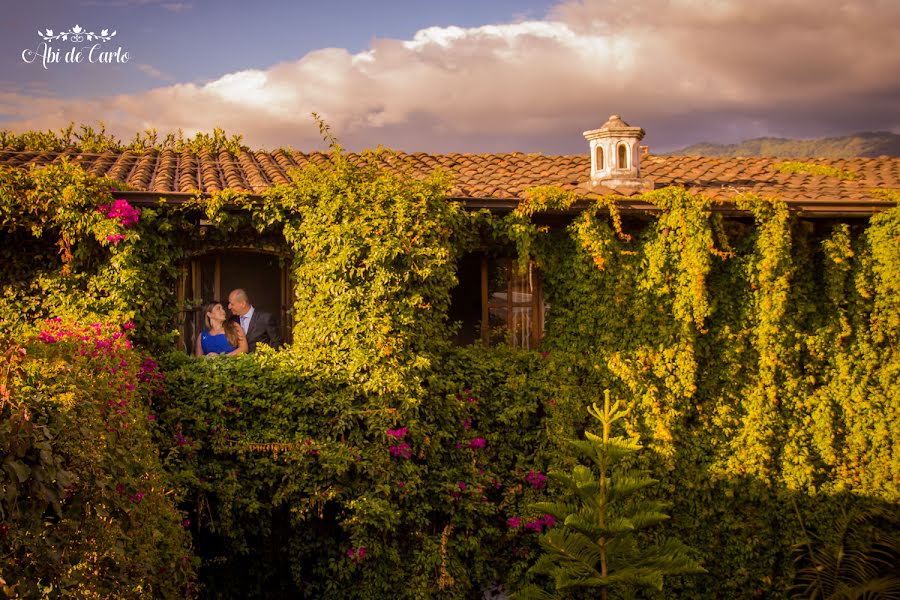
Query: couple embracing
[238, 334]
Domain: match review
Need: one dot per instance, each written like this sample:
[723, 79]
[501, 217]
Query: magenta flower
[397, 433]
[537, 480]
[404, 450]
[514, 522]
[356, 554]
[462, 485]
[537, 525]
[477, 443]
[121, 210]
[187, 523]
[467, 423]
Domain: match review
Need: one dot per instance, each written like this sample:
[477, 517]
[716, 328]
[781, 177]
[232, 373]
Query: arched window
[623, 156]
[599, 159]
[213, 274]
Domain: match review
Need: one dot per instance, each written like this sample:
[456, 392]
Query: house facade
[495, 300]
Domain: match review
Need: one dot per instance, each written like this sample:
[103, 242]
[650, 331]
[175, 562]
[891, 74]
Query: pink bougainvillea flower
[356, 554]
[537, 480]
[404, 450]
[397, 433]
[514, 522]
[477, 443]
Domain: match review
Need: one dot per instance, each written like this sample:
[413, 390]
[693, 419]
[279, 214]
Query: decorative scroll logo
[93, 53]
[77, 34]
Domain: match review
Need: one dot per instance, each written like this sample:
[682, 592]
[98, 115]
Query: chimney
[616, 156]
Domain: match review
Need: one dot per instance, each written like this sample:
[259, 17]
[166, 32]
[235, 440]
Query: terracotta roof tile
[489, 176]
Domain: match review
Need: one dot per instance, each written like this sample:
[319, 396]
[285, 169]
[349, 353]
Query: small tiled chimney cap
[614, 126]
[616, 157]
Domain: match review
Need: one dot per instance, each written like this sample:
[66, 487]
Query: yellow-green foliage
[814, 169]
[96, 141]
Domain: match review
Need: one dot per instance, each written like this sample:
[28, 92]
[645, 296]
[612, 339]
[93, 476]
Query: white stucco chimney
[616, 155]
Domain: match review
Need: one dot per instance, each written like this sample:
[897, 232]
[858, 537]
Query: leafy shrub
[85, 509]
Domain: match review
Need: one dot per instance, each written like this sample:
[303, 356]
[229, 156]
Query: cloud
[154, 73]
[178, 7]
[685, 70]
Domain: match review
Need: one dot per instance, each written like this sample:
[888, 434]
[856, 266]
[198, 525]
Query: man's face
[237, 307]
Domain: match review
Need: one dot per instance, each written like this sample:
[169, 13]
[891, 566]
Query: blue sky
[202, 40]
[496, 75]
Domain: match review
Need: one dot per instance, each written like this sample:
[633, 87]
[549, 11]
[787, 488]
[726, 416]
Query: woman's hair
[232, 331]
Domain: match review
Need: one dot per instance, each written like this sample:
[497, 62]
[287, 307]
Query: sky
[462, 76]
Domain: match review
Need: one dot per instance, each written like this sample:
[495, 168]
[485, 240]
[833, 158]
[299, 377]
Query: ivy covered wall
[374, 458]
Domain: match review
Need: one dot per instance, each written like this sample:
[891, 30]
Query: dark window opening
[213, 275]
[497, 303]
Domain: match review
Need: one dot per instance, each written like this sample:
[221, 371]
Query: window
[211, 276]
[510, 308]
[599, 159]
[623, 156]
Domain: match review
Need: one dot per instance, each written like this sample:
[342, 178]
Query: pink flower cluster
[121, 210]
[91, 340]
[477, 443]
[404, 450]
[401, 449]
[536, 525]
[397, 433]
[356, 554]
[537, 480]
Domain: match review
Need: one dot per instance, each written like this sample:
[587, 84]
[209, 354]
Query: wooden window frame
[536, 304]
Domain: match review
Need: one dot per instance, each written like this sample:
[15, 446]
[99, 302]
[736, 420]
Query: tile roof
[499, 179]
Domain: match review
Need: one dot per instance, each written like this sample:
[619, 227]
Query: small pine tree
[593, 545]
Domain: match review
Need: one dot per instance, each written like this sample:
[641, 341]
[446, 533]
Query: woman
[220, 336]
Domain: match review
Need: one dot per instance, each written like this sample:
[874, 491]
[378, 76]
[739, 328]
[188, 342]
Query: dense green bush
[307, 468]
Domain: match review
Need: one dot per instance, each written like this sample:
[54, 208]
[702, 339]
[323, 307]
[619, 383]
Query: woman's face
[216, 313]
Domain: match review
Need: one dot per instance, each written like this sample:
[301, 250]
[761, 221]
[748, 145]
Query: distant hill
[859, 144]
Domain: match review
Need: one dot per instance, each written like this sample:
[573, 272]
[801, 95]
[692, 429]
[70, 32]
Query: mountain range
[879, 143]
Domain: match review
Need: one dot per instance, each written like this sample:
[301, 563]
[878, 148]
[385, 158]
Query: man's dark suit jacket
[262, 328]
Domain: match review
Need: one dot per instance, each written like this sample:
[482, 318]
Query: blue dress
[214, 343]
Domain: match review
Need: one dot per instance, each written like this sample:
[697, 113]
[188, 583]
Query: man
[258, 325]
